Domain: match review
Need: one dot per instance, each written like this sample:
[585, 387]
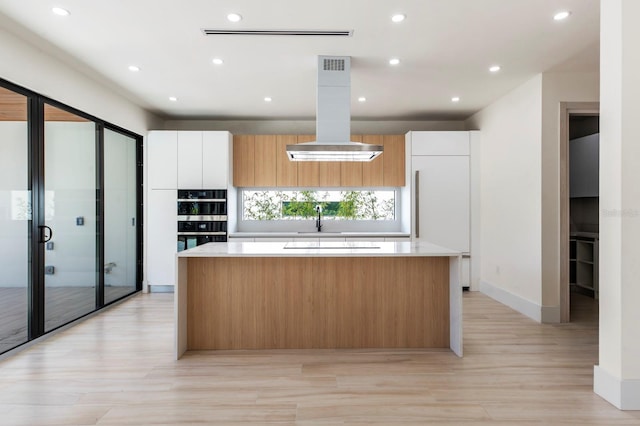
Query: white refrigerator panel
[441, 200]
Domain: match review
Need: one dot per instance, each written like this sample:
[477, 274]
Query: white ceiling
[445, 48]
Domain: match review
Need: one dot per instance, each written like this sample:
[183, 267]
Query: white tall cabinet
[441, 191]
[177, 160]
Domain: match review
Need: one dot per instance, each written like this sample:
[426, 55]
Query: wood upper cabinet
[265, 151]
[372, 172]
[286, 170]
[243, 160]
[308, 171]
[261, 161]
[393, 166]
[351, 171]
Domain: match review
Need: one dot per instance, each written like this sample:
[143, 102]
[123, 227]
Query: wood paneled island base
[318, 302]
[263, 296]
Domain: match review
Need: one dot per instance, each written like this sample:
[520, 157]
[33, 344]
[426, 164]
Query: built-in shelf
[583, 260]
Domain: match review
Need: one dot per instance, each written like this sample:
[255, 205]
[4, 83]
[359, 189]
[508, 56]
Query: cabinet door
[286, 171]
[162, 150]
[308, 171]
[161, 237]
[372, 171]
[441, 202]
[394, 165]
[190, 160]
[243, 160]
[215, 160]
[439, 143]
[265, 160]
[351, 171]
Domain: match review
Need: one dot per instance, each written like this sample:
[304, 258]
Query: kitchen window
[342, 210]
[300, 205]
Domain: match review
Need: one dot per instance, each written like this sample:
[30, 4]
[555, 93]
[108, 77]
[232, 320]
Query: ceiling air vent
[331, 64]
[339, 33]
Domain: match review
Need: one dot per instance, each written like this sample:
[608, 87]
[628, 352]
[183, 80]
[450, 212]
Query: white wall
[557, 87]
[29, 66]
[510, 197]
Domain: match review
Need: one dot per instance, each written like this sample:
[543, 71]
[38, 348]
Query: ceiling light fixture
[394, 61]
[218, 61]
[134, 68]
[234, 17]
[494, 68]
[399, 17]
[173, 99]
[60, 11]
[455, 99]
[267, 99]
[362, 99]
[561, 16]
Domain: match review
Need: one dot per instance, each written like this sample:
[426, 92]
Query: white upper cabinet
[162, 151]
[439, 143]
[189, 160]
[215, 159]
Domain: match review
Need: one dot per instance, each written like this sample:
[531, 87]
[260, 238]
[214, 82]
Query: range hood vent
[331, 33]
[333, 118]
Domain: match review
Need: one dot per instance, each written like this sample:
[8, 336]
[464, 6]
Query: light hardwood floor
[62, 305]
[118, 368]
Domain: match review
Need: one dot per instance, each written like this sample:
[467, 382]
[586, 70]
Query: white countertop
[311, 234]
[318, 249]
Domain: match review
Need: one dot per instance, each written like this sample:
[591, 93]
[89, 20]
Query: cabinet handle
[417, 189]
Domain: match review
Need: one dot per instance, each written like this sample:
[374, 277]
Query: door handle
[43, 235]
[417, 198]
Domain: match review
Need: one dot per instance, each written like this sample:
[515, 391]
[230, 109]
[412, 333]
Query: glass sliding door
[15, 219]
[70, 202]
[120, 257]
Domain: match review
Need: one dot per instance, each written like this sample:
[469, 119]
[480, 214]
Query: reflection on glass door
[119, 215]
[70, 266]
[15, 220]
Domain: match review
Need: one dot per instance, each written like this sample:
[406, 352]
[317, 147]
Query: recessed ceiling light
[494, 68]
[173, 99]
[455, 99]
[394, 61]
[267, 99]
[560, 16]
[60, 11]
[218, 61]
[234, 17]
[134, 68]
[399, 17]
[362, 99]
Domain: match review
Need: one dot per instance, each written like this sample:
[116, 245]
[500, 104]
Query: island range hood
[333, 118]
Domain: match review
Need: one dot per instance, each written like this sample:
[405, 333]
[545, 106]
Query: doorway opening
[579, 210]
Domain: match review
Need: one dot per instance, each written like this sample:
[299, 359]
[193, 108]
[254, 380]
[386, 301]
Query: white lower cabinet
[162, 219]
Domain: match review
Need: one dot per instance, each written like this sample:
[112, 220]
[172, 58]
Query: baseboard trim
[161, 289]
[551, 314]
[623, 394]
[524, 306]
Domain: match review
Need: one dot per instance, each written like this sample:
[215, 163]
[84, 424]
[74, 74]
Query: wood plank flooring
[62, 304]
[117, 369]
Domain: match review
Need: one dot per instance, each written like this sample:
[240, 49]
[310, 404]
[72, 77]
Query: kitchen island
[304, 295]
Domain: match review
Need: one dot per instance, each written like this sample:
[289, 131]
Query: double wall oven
[202, 217]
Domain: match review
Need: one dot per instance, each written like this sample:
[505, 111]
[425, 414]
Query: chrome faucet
[318, 220]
